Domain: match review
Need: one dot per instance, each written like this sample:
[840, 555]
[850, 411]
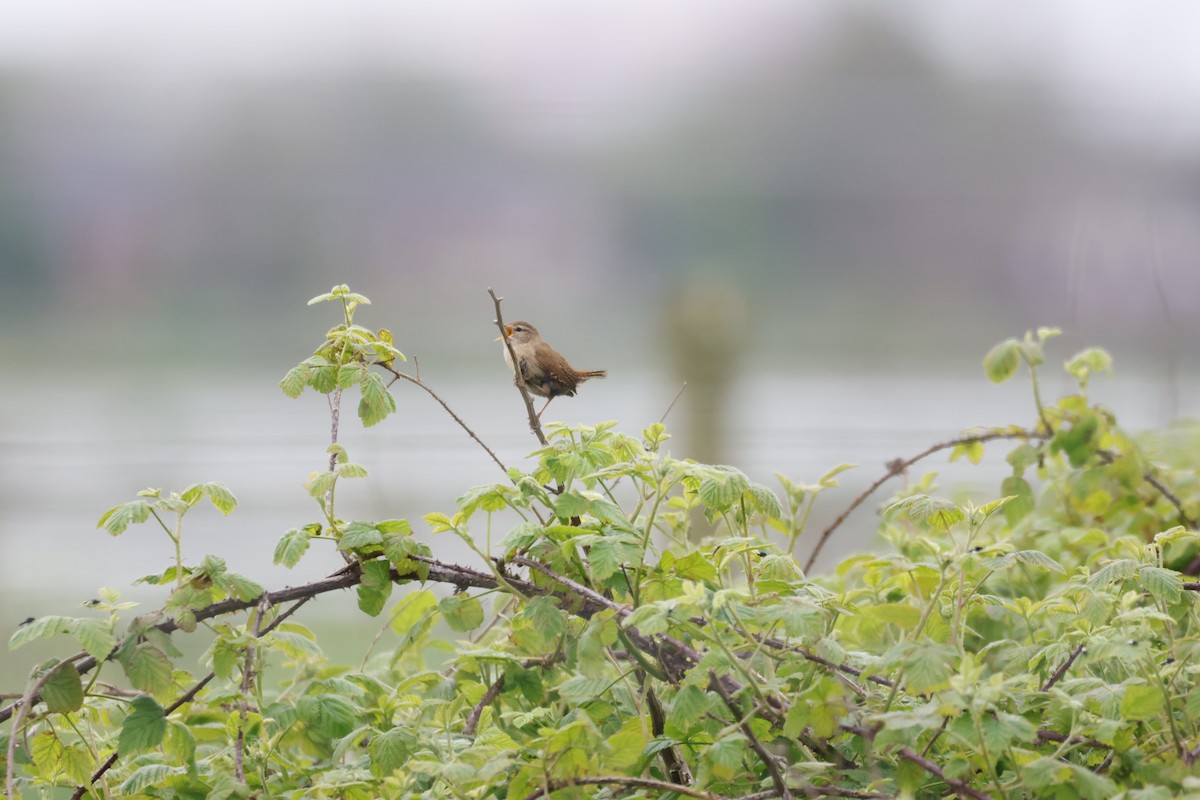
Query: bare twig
[671, 405]
[1062, 669]
[960, 788]
[898, 466]
[535, 424]
[416, 380]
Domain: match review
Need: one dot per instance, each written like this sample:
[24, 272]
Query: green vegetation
[1041, 642]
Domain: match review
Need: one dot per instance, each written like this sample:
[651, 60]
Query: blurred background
[821, 215]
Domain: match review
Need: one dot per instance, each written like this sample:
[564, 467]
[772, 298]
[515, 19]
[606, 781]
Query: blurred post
[707, 339]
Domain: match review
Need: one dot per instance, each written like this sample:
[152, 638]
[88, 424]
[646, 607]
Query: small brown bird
[547, 374]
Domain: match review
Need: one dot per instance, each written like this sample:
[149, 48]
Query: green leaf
[295, 380]
[375, 587]
[1022, 503]
[691, 703]
[570, 504]
[222, 499]
[765, 501]
[291, 547]
[926, 665]
[328, 715]
[95, 635]
[142, 729]
[358, 535]
[521, 537]
[39, 628]
[439, 522]
[461, 611]
[118, 518]
[396, 527]
[1002, 361]
[1036, 558]
[1165, 585]
[148, 776]
[377, 402]
[63, 691]
[1142, 702]
[1117, 570]
[239, 586]
[390, 751]
[147, 667]
[939, 514]
[349, 469]
[545, 615]
[411, 610]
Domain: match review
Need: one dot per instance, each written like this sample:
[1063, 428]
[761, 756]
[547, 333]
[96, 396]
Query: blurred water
[66, 456]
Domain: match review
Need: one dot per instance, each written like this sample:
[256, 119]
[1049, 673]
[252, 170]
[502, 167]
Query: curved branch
[416, 380]
[898, 466]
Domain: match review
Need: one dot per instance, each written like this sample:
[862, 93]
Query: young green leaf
[143, 728]
[291, 547]
[1002, 361]
[63, 691]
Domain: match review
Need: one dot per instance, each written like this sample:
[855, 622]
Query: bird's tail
[593, 373]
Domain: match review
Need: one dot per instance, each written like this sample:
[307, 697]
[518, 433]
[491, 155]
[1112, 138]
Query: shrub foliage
[637, 625]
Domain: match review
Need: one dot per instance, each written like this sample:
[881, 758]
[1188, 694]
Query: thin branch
[898, 466]
[418, 382]
[491, 694]
[764, 755]
[1062, 669]
[960, 788]
[535, 424]
[671, 405]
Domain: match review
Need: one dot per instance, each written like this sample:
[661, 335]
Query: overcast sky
[1133, 65]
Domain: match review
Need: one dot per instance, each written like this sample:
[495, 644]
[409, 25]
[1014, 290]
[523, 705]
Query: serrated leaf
[350, 470]
[521, 537]
[765, 501]
[328, 715]
[390, 751]
[377, 402]
[295, 380]
[462, 612]
[359, 534]
[118, 518]
[95, 635]
[291, 547]
[148, 776]
[147, 667]
[1036, 558]
[1164, 584]
[397, 527]
[1002, 361]
[439, 522]
[63, 691]
[239, 586]
[39, 628]
[691, 703]
[375, 587]
[222, 499]
[143, 728]
[1117, 570]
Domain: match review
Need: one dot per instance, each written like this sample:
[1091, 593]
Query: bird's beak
[507, 331]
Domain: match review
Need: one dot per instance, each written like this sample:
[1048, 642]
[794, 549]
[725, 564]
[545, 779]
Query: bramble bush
[1039, 643]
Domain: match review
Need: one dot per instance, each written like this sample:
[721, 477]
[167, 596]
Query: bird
[547, 374]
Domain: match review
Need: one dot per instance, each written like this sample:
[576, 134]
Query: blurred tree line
[859, 198]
